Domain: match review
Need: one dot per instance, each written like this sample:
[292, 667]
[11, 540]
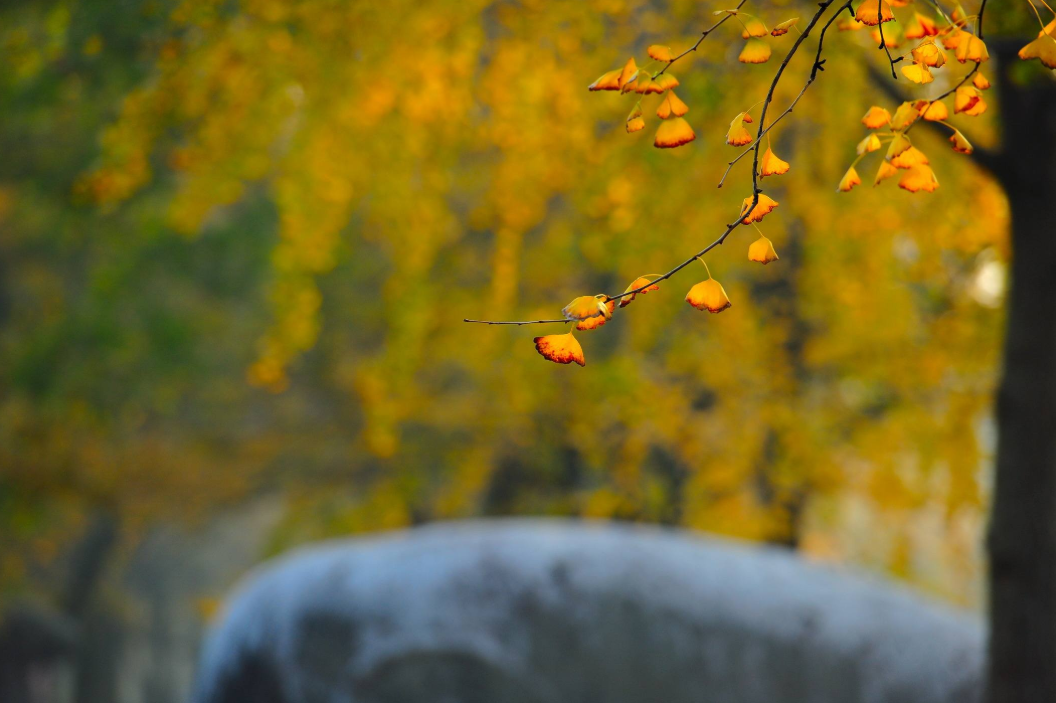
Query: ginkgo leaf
[747, 118]
[906, 114]
[645, 84]
[849, 180]
[772, 165]
[870, 143]
[755, 51]
[936, 111]
[919, 178]
[928, 53]
[909, 158]
[885, 171]
[635, 125]
[1043, 49]
[982, 83]
[708, 295]
[666, 82]
[899, 144]
[971, 48]
[738, 135]
[1049, 29]
[560, 348]
[671, 105]
[782, 28]
[762, 208]
[762, 251]
[876, 118]
[585, 307]
[849, 25]
[892, 37]
[753, 27]
[917, 73]
[628, 73]
[673, 132]
[960, 143]
[636, 111]
[967, 99]
[952, 38]
[874, 12]
[607, 81]
[635, 285]
[660, 53]
[921, 26]
[592, 323]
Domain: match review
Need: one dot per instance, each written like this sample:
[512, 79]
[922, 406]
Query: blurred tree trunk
[1022, 533]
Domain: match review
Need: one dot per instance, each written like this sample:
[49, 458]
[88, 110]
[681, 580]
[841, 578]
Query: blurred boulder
[534, 611]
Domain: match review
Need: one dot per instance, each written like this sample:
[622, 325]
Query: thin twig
[883, 40]
[522, 322]
[979, 22]
[703, 36]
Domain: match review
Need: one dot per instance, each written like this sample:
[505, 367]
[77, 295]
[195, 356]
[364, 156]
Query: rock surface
[541, 611]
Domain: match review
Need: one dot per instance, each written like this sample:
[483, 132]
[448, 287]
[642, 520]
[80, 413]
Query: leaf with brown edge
[738, 135]
[635, 285]
[966, 98]
[960, 144]
[921, 26]
[659, 52]
[585, 307]
[708, 295]
[762, 251]
[607, 81]
[982, 82]
[560, 348]
[772, 165]
[762, 208]
[899, 144]
[754, 51]
[672, 133]
[909, 158]
[782, 28]
[876, 118]
[1043, 49]
[874, 12]
[592, 323]
[906, 114]
[919, 178]
[849, 180]
[936, 112]
[635, 124]
[671, 105]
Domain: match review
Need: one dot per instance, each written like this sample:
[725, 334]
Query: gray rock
[541, 611]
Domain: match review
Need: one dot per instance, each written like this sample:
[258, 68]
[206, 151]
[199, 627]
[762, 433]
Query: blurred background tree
[237, 241]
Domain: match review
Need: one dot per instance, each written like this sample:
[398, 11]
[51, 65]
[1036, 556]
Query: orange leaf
[629, 73]
[849, 180]
[980, 81]
[906, 114]
[1043, 48]
[755, 51]
[960, 143]
[585, 307]
[917, 73]
[762, 251]
[592, 323]
[971, 48]
[929, 54]
[635, 285]
[762, 208]
[608, 81]
[920, 27]
[874, 12]
[673, 132]
[909, 158]
[666, 82]
[560, 348]
[671, 105]
[772, 165]
[660, 53]
[708, 295]
[876, 118]
[783, 27]
[936, 112]
[966, 98]
[870, 143]
[635, 124]
[738, 135]
[919, 178]
[885, 171]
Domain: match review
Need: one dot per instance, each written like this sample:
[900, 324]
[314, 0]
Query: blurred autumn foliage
[237, 241]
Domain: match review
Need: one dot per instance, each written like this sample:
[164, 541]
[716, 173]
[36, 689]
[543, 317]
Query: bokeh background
[238, 240]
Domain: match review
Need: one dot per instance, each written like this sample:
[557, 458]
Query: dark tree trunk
[1022, 533]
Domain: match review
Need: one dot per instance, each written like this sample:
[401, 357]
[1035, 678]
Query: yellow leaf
[738, 135]
[762, 208]
[635, 285]
[585, 307]
[772, 165]
[783, 27]
[607, 81]
[876, 118]
[673, 132]
[560, 348]
[755, 51]
[671, 105]
[919, 178]
[762, 251]
[660, 53]
[708, 295]
[849, 180]
[874, 12]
